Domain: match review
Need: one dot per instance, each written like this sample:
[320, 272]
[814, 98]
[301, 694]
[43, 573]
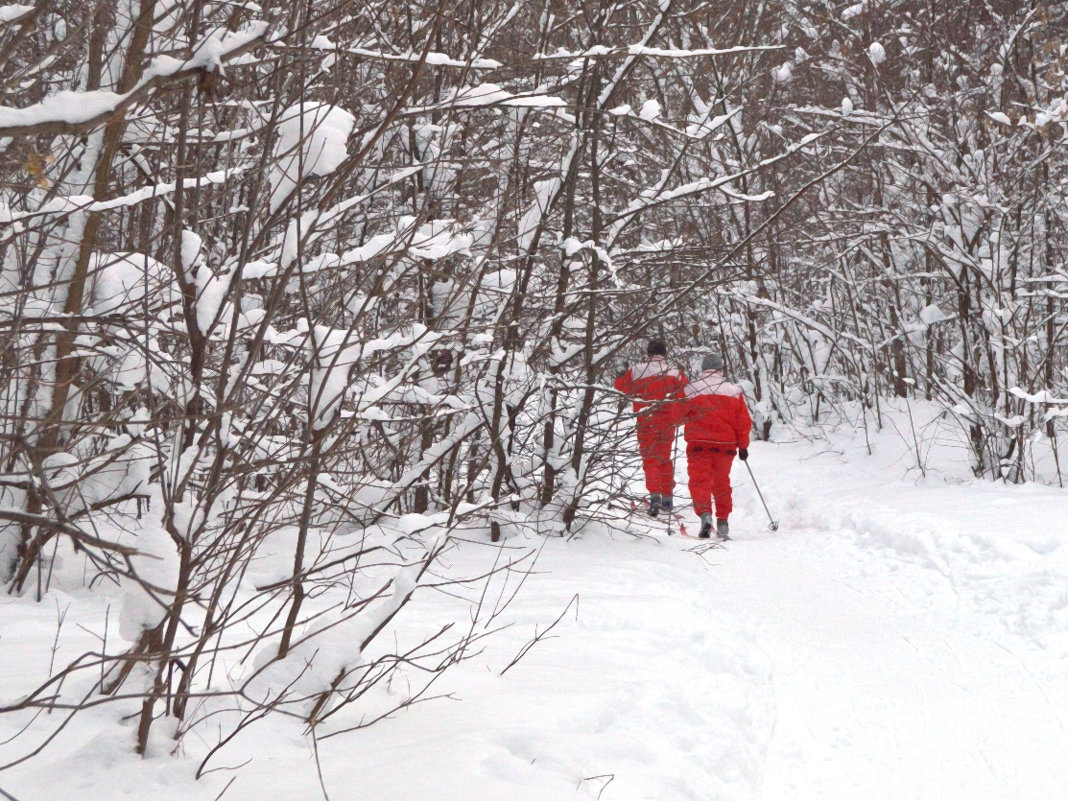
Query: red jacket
[714, 411]
[652, 382]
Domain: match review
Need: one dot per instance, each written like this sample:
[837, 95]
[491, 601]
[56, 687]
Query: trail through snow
[886, 685]
[899, 638]
[908, 628]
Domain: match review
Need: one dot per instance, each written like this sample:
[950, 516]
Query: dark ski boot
[654, 504]
[722, 530]
[706, 525]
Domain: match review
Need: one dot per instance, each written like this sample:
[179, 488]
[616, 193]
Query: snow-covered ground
[899, 637]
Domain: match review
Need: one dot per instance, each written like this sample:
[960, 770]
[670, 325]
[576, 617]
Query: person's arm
[743, 424]
[624, 382]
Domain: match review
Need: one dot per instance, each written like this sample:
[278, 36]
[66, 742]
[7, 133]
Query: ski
[709, 542]
[638, 512]
[669, 516]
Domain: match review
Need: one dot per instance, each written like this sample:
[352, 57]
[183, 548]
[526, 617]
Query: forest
[293, 296]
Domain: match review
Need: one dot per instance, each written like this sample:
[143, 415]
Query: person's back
[714, 411]
[651, 382]
[655, 387]
[717, 424]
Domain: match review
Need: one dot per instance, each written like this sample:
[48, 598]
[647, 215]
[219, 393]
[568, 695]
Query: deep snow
[899, 637]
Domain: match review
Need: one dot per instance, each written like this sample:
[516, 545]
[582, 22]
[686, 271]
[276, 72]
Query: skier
[717, 424]
[656, 387]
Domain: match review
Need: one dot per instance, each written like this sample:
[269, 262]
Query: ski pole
[674, 454]
[773, 524]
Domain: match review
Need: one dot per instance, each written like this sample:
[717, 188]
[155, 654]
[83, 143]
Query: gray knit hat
[711, 361]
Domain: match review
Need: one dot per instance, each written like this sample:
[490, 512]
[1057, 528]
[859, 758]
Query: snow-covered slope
[899, 637]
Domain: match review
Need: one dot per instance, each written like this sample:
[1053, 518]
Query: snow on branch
[601, 51]
[650, 111]
[13, 13]
[69, 112]
[335, 353]
[1042, 396]
[490, 94]
[805, 320]
[311, 140]
[659, 196]
[432, 58]
[85, 203]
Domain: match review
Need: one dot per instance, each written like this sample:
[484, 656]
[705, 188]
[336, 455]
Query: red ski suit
[717, 424]
[656, 387]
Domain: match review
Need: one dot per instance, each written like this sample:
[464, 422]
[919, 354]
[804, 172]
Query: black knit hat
[656, 347]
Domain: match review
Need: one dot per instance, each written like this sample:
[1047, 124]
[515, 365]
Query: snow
[707, 125]
[490, 94]
[67, 106]
[13, 12]
[434, 58]
[157, 563]
[312, 140]
[211, 294]
[929, 315]
[877, 53]
[191, 245]
[650, 110]
[599, 51]
[901, 636]
[75, 108]
[437, 239]
[126, 281]
[1042, 396]
[334, 354]
[645, 50]
[854, 10]
[211, 289]
[72, 203]
[544, 194]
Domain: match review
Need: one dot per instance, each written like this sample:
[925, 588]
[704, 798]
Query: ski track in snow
[886, 684]
[913, 632]
[894, 639]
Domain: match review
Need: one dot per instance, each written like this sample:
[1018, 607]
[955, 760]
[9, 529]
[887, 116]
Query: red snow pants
[709, 468]
[656, 436]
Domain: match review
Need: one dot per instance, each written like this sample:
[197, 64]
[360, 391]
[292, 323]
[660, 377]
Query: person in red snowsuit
[717, 424]
[656, 387]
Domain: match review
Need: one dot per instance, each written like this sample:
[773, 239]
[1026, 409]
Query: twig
[61, 616]
[318, 764]
[539, 636]
[607, 777]
[227, 787]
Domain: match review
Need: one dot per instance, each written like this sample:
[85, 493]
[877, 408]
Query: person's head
[712, 361]
[656, 347]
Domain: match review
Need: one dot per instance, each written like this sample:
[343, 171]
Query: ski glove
[743, 453]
